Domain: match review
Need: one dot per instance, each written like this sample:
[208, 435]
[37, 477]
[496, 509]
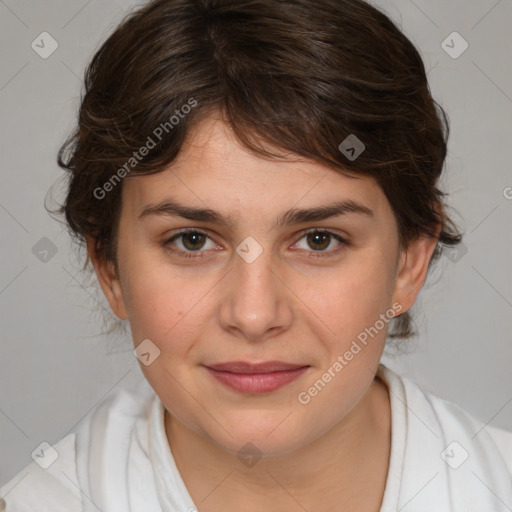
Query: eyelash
[197, 254]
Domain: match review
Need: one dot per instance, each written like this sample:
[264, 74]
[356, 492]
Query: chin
[271, 436]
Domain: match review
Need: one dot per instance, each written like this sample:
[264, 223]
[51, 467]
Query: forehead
[214, 170]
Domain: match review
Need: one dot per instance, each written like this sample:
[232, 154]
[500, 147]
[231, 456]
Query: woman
[256, 185]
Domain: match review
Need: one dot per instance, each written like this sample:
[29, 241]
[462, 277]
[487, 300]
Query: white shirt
[118, 460]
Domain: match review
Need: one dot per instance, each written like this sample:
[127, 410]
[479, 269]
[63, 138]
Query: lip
[256, 378]
[253, 368]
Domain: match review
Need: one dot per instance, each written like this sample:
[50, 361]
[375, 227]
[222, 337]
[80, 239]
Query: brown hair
[300, 75]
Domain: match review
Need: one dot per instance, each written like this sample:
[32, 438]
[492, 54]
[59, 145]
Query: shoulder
[457, 423]
[47, 486]
[52, 482]
[459, 462]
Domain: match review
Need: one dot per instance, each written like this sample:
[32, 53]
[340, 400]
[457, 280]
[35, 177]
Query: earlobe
[412, 270]
[109, 280]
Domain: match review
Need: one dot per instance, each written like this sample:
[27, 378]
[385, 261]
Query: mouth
[256, 378]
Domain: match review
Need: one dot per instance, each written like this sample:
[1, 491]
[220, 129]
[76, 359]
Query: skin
[329, 454]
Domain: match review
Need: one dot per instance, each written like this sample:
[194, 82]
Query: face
[259, 281]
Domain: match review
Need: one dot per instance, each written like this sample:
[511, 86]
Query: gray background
[55, 365]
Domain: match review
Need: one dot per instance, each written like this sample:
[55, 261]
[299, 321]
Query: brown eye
[320, 240]
[188, 243]
[193, 240]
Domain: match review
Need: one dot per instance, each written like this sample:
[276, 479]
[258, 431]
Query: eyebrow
[293, 216]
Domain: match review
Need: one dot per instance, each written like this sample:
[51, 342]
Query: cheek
[352, 307]
[353, 298]
[163, 303]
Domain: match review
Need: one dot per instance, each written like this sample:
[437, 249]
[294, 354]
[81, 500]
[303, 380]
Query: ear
[412, 270]
[108, 279]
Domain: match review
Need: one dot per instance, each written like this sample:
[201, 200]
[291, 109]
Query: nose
[256, 303]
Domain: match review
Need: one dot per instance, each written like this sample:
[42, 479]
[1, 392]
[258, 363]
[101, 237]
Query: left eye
[319, 240]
